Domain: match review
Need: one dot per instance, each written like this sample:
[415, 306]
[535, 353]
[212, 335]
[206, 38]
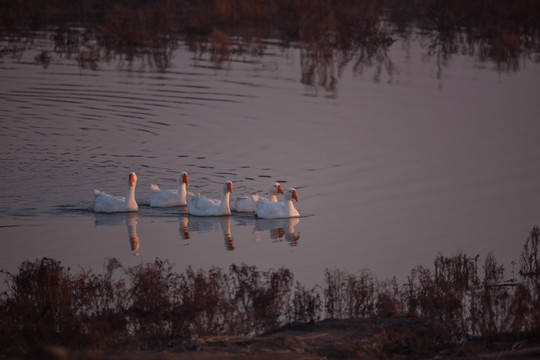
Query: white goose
[249, 203]
[106, 203]
[278, 210]
[202, 206]
[170, 197]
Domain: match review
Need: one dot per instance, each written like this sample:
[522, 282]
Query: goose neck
[130, 197]
[182, 192]
[225, 201]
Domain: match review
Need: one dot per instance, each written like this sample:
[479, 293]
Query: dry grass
[151, 306]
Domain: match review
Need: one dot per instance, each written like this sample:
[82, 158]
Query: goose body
[106, 203]
[279, 210]
[170, 197]
[249, 203]
[203, 206]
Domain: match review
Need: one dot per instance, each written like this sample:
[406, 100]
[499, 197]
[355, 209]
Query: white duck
[170, 197]
[278, 210]
[202, 206]
[106, 203]
[249, 203]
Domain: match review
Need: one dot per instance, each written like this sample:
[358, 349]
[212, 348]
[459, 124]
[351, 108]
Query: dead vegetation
[151, 306]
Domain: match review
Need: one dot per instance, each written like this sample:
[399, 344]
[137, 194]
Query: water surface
[389, 172]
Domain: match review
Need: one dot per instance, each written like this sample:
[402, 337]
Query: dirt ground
[395, 338]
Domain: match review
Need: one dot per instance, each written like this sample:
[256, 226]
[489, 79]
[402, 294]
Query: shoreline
[245, 313]
[371, 338]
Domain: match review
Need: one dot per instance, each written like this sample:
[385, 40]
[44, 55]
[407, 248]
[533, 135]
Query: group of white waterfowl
[199, 205]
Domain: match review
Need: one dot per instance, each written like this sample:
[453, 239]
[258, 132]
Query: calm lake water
[390, 171]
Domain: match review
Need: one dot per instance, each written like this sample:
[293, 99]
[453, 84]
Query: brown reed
[151, 306]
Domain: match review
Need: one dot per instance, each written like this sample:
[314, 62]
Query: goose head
[291, 194]
[183, 178]
[132, 179]
[276, 188]
[227, 187]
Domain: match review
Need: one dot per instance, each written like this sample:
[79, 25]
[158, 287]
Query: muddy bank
[396, 338]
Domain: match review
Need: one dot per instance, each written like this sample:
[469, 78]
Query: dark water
[428, 158]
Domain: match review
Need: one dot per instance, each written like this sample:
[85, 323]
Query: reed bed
[152, 306]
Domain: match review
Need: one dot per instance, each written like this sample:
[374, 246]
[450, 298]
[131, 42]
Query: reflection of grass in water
[152, 306]
[330, 33]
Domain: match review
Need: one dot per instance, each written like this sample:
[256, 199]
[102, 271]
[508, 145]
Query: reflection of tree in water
[498, 31]
[324, 68]
[330, 35]
[318, 69]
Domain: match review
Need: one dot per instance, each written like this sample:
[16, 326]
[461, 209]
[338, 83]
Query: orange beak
[280, 190]
[229, 186]
[185, 179]
[131, 179]
[295, 196]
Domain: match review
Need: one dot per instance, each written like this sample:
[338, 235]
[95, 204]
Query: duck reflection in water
[212, 224]
[279, 229]
[183, 228]
[130, 219]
